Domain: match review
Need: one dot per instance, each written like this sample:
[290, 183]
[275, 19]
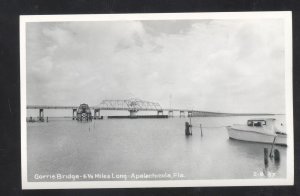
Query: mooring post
[276, 155]
[266, 158]
[191, 129]
[271, 155]
[187, 128]
[201, 130]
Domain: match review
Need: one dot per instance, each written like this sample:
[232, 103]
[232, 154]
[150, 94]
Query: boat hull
[253, 136]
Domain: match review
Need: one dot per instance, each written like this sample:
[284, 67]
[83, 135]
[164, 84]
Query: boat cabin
[260, 122]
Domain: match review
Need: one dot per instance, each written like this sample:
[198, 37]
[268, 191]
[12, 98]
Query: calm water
[152, 146]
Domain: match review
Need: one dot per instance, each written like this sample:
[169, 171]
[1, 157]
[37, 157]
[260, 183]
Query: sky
[211, 65]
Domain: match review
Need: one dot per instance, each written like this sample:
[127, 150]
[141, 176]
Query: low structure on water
[84, 113]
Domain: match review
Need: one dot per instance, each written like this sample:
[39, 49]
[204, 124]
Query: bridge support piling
[96, 113]
[133, 113]
[181, 114]
[190, 114]
[41, 115]
[74, 114]
[159, 112]
[170, 113]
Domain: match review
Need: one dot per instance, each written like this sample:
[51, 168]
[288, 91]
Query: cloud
[216, 65]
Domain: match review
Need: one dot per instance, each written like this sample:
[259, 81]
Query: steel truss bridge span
[129, 105]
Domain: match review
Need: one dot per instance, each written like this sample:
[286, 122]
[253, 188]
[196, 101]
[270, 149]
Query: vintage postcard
[156, 100]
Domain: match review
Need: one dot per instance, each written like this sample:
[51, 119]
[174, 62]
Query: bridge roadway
[132, 105]
[132, 110]
[111, 108]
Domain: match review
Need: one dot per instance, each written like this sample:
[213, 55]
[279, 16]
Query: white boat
[258, 130]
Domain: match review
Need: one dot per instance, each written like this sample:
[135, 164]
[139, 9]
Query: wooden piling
[191, 130]
[201, 130]
[276, 155]
[271, 155]
[266, 158]
[187, 127]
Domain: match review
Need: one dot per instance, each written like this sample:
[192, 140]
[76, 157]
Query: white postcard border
[286, 15]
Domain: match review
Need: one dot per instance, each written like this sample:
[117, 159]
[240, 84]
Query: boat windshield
[256, 123]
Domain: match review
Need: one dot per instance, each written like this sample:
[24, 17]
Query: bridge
[131, 105]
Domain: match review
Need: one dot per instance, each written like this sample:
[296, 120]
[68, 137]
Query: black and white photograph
[156, 100]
